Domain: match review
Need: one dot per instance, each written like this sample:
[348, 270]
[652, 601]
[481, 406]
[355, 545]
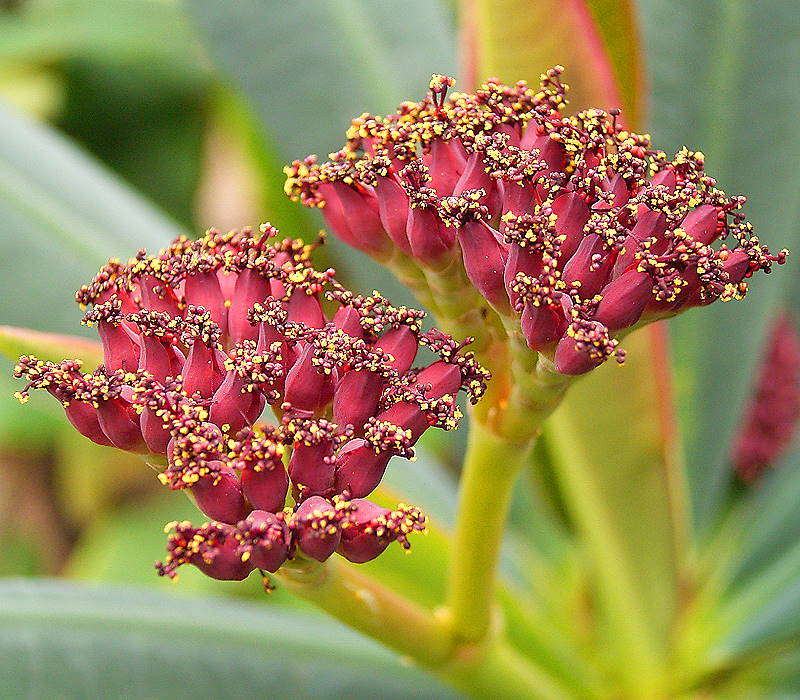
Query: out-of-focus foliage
[115, 642]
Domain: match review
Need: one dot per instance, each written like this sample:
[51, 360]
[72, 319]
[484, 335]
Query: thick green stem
[490, 669]
[462, 311]
[499, 672]
[490, 471]
[365, 605]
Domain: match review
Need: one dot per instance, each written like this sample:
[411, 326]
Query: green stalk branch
[500, 672]
[364, 604]
[490, 470]
[491, 669]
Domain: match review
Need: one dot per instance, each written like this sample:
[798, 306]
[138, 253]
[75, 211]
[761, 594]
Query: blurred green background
[126, 122]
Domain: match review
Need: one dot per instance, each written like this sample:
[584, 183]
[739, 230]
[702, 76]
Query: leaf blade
[114, 642]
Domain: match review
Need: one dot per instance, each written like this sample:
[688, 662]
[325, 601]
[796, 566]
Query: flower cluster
[572, 227]
[771, 418]
[200, 338]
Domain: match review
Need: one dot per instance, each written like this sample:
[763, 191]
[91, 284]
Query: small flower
[572, 226]
[771, 417]
[201, 337]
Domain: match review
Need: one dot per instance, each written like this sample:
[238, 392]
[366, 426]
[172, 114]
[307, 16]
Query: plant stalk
[365, 605]
[490, 470]
[499, 672]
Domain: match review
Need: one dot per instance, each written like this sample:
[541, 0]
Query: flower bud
[219, 494]
[263, 540]
[316, 527]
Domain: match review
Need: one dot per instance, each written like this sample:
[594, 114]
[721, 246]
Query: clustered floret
[200, 338]
[769, 423]
[572, 226]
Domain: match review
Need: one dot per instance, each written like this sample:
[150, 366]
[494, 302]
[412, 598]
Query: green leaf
[52, 30]
[308, 68]
[328, 62]
[145, 118]
[723, 80]
[596, 41]
[63, 216]
[67, 641]
[626, 498]
[51, 347]
[760, 602]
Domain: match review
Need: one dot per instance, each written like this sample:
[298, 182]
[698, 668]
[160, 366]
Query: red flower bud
[213, 548]
[580, 202]
[219, 494]
[771, 416]
[263, 540]
[316, 527]
[370, 529]
[184, 390]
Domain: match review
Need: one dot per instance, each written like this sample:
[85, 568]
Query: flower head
[573, 226]
[201, 337]
[770, 421]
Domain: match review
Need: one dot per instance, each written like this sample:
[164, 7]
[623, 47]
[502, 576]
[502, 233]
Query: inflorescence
[572, 226]
[200, 338]
[770, 421]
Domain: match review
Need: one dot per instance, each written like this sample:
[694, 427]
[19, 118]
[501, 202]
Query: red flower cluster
[198, 339]
[573, 226]
[771, 418]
